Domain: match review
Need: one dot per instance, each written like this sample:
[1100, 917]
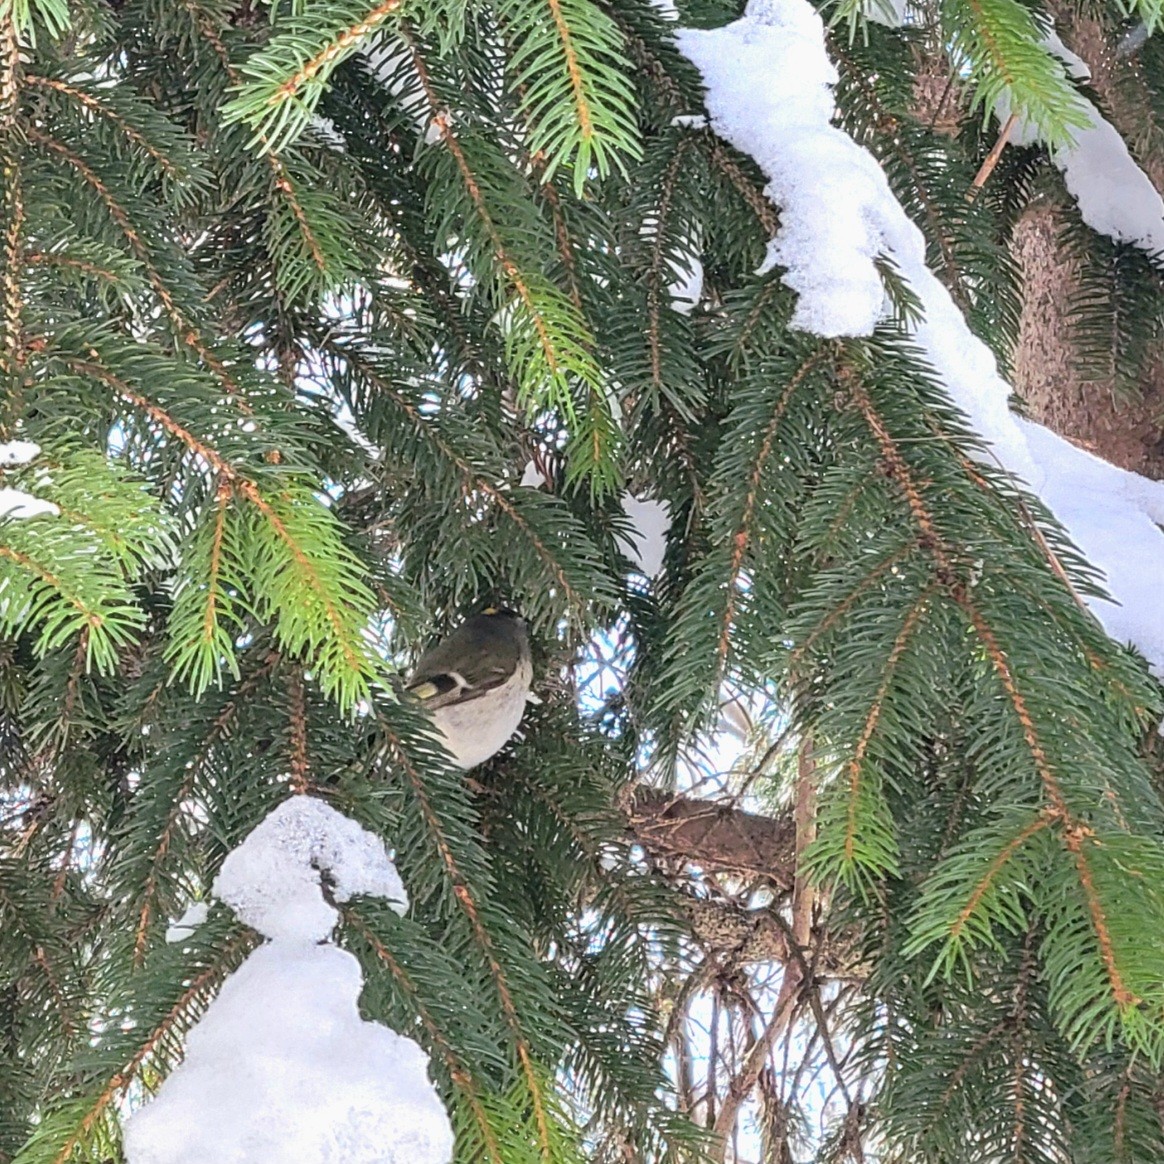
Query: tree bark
[1129, 433]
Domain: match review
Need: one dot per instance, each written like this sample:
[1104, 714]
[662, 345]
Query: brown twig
[987, 167]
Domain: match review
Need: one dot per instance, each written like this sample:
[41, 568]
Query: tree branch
[711, 835]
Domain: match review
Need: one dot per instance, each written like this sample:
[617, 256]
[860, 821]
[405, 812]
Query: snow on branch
[15, 503]
[17, 453]
[768, 81]
[281, 1068]
[769, 93]
[272, 879]
[1114, 195]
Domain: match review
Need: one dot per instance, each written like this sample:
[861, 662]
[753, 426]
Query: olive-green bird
[475, 684]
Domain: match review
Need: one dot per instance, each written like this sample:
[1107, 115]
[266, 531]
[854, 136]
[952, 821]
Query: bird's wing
[456, 670]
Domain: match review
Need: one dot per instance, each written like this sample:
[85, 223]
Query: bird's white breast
[478, 728]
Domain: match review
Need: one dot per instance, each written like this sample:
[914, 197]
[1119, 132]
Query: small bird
[476, 683]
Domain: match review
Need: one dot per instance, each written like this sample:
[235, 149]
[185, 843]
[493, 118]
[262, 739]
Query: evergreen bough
[291, 297]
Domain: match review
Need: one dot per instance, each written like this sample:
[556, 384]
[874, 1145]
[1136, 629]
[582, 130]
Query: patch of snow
[768, 82]
[180, 930]
[666, 9]
[1115, 196]
[1077, 68]
[1115, 518]
[17, 453]
[15, 503]
[769, 92]
[281, 1068]
[647, 544]
[272, 879]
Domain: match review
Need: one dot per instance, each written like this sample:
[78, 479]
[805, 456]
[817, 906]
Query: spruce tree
[329, 324]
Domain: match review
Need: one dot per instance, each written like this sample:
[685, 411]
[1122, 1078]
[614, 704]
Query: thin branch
[991, 159]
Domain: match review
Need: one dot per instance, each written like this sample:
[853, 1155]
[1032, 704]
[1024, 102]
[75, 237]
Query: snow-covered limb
[769, 93]
[281, 1068]
[768, 80]
[1115, 518]
[17, 453]
[15, 503]
[1115, 196]
[272, 879]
